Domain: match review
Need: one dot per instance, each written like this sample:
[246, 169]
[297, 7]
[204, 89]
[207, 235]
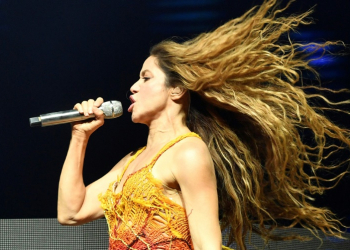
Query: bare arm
[194, 171]
[71, 189]
[78, 204]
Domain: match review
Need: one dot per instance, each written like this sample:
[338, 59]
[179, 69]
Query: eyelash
[145, 78]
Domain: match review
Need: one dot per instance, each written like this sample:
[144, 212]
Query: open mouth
[132, 103]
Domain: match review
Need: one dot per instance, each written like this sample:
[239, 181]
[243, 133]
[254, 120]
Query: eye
[145, 78]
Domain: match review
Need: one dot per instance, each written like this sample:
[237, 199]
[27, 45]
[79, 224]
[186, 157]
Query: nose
[134, 88]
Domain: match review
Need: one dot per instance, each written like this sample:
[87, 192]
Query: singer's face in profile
[149, 94]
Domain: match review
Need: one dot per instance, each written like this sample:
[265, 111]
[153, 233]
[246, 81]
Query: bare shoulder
[190, 156]
[191, 146]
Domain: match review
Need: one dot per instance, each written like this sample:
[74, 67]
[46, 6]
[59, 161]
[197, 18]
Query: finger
[99, 116]
[90, 105]
[98, 112]
[79, 108]
[98, 102]
[85, 107]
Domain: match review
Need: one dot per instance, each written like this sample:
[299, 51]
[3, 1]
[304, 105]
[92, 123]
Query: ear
[177, 92]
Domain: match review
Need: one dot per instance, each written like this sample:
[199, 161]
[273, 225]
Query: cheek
[155, 92]
[154, 98]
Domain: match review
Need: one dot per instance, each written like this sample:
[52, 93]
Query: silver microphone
[111, 109]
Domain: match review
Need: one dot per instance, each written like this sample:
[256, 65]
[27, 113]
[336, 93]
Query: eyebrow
[143, 72]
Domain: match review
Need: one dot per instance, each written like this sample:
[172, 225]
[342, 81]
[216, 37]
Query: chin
[135, 118]
[138, 119]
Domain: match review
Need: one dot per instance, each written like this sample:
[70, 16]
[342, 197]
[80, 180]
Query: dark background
[54, 54]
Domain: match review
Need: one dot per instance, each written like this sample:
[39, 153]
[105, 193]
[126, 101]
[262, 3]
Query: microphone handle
[59, 117]
[111, 109]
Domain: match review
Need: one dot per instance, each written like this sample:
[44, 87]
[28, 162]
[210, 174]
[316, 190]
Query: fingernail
[90, 111]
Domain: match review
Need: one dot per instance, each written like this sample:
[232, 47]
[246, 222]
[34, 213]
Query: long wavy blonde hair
[250, 106]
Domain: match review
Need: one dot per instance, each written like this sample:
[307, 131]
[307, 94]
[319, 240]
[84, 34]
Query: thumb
[98, 113]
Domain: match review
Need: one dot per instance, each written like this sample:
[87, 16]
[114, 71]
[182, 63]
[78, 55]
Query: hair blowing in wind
[250, 106]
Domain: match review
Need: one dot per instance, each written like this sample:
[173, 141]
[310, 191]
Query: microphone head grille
[112, 109]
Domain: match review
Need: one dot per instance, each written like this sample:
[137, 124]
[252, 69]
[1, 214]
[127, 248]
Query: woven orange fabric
[141, 216]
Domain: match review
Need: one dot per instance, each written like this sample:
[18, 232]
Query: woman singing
[225, 112]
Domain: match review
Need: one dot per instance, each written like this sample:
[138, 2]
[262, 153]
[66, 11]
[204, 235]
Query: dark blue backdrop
[56, 53]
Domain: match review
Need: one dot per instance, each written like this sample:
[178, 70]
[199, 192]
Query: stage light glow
[322, 61]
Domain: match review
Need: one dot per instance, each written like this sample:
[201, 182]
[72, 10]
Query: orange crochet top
[141, 216]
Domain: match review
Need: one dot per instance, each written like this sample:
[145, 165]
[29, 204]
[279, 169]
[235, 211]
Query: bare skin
[163, 110]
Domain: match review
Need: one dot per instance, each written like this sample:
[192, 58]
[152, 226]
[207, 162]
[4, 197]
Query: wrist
[80, 136]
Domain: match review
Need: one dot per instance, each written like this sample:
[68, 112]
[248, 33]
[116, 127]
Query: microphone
[111, 109]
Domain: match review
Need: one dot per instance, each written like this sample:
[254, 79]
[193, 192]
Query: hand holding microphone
[87, 109]
[82, 111]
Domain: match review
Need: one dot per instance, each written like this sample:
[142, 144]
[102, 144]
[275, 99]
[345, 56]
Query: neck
[165, 129]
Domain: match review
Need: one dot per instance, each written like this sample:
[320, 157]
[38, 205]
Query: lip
[132, 99]
[132, 103]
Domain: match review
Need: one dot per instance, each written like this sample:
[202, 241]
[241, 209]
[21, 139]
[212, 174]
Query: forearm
[210, 247]
[207, 239]
[71, 191]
